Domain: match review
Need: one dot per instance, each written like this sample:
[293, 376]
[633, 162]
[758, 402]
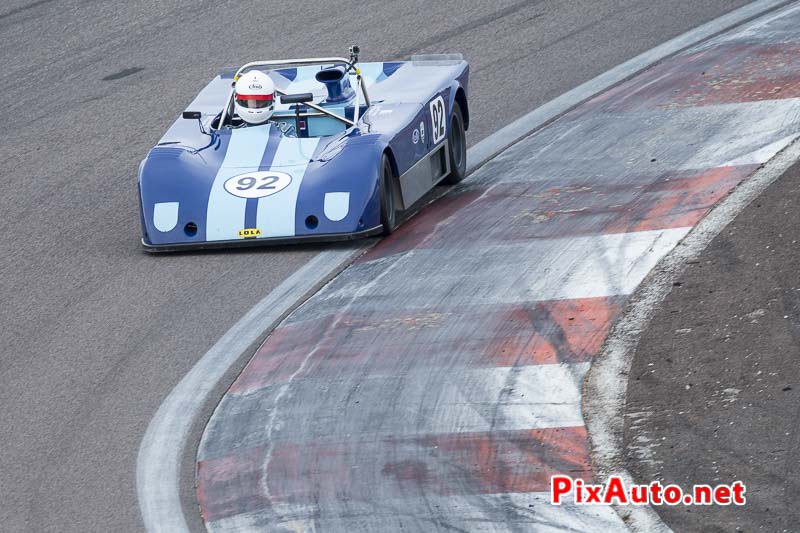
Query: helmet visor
[255, 101]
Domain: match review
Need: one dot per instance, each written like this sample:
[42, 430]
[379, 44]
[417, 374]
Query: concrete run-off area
[436, 383]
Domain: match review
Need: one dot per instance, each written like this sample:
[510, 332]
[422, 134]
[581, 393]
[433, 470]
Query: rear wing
[437, 59]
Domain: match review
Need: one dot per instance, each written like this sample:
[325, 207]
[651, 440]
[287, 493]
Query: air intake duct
[337, 83]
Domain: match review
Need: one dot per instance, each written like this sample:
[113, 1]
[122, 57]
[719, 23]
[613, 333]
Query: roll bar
[348, 64]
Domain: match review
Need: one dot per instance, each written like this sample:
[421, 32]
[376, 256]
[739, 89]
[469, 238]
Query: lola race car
[348, 147]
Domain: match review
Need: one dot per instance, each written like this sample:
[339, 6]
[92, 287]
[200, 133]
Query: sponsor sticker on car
[249, 232]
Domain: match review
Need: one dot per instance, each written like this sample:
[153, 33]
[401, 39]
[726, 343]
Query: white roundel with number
[257, 184]
[438, 120]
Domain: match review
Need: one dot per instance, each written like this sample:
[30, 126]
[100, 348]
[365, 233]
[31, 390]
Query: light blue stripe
[225, 215]
[276, 213]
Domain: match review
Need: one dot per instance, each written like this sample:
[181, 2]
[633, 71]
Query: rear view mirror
[195, 115]
[301, 98]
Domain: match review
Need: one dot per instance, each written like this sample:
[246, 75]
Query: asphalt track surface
[94, 331]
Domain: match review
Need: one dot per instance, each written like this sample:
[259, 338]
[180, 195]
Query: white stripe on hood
[225, 214]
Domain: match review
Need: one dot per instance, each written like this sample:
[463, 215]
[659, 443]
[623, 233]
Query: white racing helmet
[254, 97]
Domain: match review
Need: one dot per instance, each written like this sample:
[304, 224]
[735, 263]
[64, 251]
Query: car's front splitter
[271, 241]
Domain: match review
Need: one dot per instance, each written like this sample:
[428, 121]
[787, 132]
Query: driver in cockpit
[254, 101]
[254, 97]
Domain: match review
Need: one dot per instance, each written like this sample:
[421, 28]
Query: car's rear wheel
[457, 148]
[388, 204]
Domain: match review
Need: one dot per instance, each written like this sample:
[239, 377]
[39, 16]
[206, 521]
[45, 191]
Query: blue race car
[348, 146]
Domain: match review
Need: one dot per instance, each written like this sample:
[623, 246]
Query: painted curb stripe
[555, 269]
[541, 333]
[562, 208]
[441, 465]
[488, 512]
[477, 400]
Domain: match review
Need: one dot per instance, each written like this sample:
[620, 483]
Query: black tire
[388, 204]
[457, 150]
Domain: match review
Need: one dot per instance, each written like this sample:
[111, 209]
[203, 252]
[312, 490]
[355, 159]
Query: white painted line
[607, 382]
[554, 269]
[734, 145]
[762, 155]
[159, 458]
[542, 396]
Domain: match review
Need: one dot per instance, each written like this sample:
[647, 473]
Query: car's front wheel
[388, 204]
